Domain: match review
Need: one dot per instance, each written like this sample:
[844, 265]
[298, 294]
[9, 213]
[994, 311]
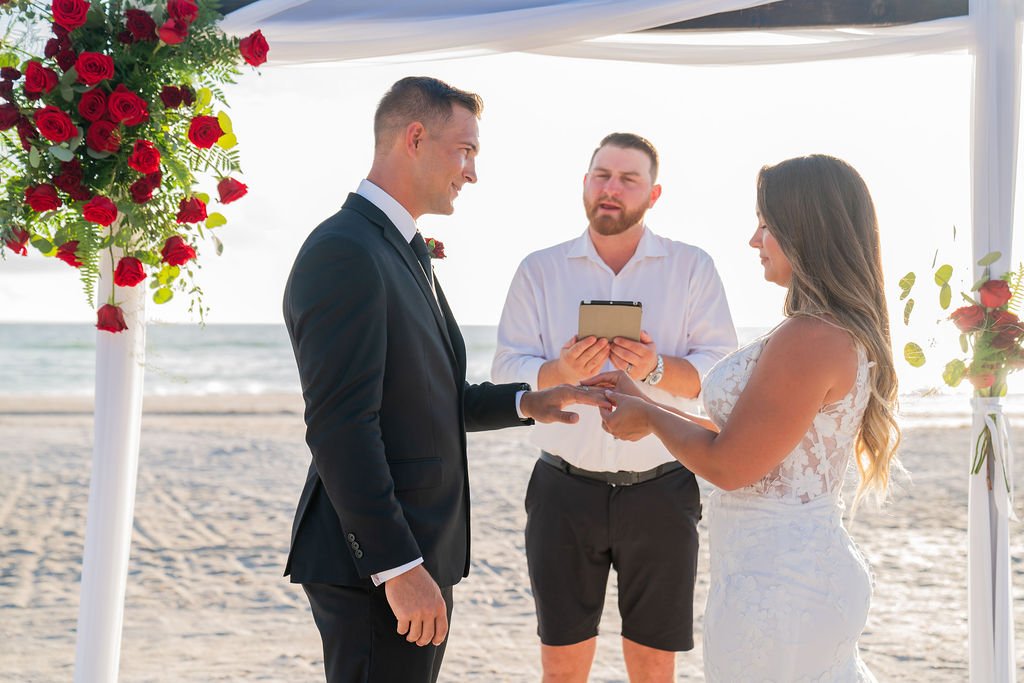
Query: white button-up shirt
[684, 310]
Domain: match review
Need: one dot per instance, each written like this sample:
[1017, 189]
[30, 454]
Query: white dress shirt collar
[649, 246]
[395, 212]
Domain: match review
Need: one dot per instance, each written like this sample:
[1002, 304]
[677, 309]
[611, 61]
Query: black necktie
[419, 247]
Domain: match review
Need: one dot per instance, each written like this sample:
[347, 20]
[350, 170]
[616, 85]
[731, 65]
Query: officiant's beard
[608, 225]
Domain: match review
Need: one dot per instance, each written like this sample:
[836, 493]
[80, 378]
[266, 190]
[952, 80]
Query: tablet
[610, 319]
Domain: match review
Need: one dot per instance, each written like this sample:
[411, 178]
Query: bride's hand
[629, 420]
[616, 380]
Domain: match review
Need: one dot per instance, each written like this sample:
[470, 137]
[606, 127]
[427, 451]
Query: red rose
[39, 80]
[55, 125]
[127, 107]
[27, 133]
[436, 247]
[184, 11]
[67, 59]
[176, 252]
[173, 32]
[80, 194]
[1007, 327]
[140, 24]
[230, 189]
[52, 48]
[17, 241]
[981, 380]
[9, 73]
[171, 96]
[66, 253]
[994, 293]
[254, 48]
[110, 318]
[191, 210]
[70, 177]
[188, 95]
[142, 189]
[70, 14]
[42, 197]
[129, 272]
[7, 90]
[103, 136]
[93, 67]
[100, 210]
[145, 157]
[93, 105]
[9, 116]
[204, 131]
[968, 318]
[125, 37]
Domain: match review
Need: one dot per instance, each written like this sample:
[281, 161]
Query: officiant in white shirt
[594, 502]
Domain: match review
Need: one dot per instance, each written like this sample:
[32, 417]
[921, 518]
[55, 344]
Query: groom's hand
[547, 405]
[417, 603]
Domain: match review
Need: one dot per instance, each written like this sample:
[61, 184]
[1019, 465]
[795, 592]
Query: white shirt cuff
[381, 577]
[519, 399]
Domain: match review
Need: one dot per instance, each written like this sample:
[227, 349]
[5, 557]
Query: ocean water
[59, 360]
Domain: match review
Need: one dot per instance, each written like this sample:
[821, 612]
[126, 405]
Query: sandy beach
[218, 481]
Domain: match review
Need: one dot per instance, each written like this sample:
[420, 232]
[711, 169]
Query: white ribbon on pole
[120, 362]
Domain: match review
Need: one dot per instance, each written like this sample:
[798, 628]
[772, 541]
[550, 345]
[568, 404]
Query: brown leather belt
[620, 478]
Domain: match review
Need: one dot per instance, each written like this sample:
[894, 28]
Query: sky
[305, 135]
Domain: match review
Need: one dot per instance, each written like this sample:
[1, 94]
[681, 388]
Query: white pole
[995, 126]
[118, 416]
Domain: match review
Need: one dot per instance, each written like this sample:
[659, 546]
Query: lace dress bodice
[818, 465]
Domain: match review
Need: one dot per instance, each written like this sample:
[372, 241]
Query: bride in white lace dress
[789, 591]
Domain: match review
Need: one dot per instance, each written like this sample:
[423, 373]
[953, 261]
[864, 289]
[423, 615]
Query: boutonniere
[436, 247]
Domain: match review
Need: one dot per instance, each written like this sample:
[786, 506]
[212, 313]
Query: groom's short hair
[419, 98]
[630, 141]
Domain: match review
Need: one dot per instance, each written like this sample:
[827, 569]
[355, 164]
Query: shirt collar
[395, 212]
[649, 246]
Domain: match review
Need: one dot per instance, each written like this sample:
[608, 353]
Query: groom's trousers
[361, 640]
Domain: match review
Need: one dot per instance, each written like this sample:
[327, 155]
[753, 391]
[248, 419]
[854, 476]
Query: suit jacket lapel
[394, 237]
[458, 343]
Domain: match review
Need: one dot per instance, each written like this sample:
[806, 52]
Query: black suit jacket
[387, 407]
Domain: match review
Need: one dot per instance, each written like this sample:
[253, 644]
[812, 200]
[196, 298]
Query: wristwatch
[657, 373]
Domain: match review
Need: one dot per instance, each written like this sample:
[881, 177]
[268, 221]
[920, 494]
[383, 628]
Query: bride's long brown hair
[819, 210]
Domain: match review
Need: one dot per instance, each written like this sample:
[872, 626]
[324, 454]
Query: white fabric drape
[995, 124]
[120, 367]
[304, 31]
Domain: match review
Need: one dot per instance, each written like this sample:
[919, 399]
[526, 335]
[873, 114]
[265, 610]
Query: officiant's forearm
[681, 378]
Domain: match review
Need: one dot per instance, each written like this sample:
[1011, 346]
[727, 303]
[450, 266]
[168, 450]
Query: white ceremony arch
[307, 31]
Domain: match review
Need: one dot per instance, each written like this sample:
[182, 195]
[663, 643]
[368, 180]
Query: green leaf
[945, 296]
[225, 121]
[215, 220]
[167, 275]
[963, 343]
[227, 141]
[67, 93]
[990, 258]
[62, 153]
[163, 295]
[935, 256]
[9, 59]
[943, 274]
[96, 155]
[33, 157]
[913, 354]
[44, 246]
[906, 283]
[203, 196]
[218, 245]
[954, 372]
[203, 97]
[977, 285]
[906, 311]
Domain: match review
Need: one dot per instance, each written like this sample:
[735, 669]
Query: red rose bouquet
[991, 338]
[107, 124]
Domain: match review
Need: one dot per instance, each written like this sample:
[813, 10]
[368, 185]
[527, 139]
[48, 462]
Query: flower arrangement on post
[991, 339]
[106, 126]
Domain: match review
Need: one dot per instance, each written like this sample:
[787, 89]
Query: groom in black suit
[381, 533]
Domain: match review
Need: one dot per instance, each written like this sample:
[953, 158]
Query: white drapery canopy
[308, 31]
